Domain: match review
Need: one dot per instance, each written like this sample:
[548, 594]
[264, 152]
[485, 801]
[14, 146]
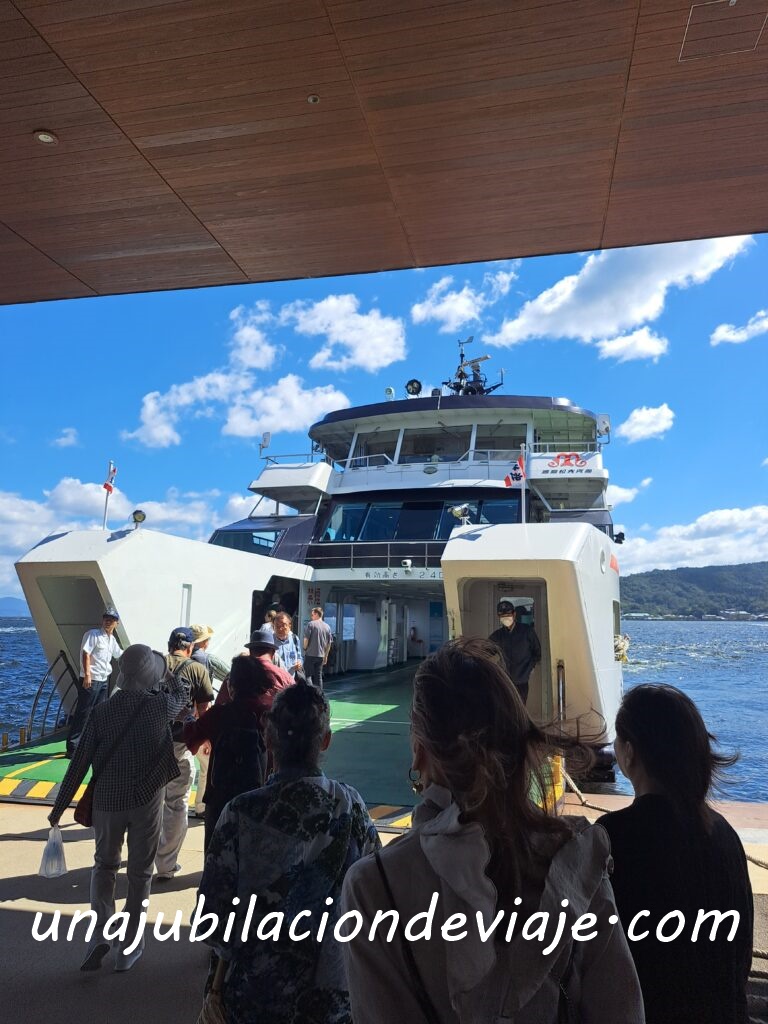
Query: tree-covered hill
[705, 591]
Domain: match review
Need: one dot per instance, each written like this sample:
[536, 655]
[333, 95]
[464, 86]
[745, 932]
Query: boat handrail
[302, 457]
[54, 689]
[560, 690]
[379, 555]
[553, 447]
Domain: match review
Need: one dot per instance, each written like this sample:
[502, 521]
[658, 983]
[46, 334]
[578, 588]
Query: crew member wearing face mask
[519, 645]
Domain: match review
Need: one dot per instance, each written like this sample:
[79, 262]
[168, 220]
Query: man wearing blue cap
[197, 681]
[97, 649]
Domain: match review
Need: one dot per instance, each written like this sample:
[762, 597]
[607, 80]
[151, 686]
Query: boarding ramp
[569, 575]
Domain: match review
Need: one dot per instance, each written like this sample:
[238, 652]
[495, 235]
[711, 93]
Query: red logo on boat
[568, 459]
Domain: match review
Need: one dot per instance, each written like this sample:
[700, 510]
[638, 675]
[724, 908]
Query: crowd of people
[480, 849]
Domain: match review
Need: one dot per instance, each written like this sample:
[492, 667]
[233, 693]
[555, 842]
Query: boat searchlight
[138, 517]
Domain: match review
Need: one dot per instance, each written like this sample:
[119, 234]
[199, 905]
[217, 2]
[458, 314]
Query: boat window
[375, 448]
[381, 522]
[448, 520]
[435, 444]
[499, 442]
[262, 542]
[345, 522]
[419, 520]
[494, 510]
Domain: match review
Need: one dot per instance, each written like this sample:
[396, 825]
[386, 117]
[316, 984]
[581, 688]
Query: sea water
[723, 666]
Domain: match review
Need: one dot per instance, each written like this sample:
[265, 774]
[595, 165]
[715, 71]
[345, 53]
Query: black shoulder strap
[419, 991]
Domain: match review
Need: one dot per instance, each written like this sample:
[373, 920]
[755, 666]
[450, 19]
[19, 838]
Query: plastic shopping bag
[53, 864]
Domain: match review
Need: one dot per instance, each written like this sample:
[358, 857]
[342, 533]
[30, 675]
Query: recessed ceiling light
[47, 138]
[313, 98]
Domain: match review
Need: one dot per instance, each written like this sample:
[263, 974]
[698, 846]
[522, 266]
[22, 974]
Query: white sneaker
[166, 876]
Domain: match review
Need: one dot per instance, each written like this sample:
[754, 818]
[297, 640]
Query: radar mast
[469, 379]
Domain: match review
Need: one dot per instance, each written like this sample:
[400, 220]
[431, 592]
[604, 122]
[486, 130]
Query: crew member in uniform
[519, 645]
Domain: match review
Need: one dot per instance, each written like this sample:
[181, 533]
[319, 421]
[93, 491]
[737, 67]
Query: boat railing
[555, 447]
[406, 558]
[301, 457]
[47, 691]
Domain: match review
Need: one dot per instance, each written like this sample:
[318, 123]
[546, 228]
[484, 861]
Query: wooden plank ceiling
[445, 131]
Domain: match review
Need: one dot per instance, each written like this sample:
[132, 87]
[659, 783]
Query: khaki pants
[202, 779]
[175, 805]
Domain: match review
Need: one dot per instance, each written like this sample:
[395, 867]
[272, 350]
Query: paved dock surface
[41, 983]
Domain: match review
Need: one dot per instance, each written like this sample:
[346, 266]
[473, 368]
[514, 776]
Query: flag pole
[522, 483]
[111, 471]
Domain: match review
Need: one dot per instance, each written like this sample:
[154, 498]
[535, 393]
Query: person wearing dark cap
[126, 741]
[199, 694]
[519, 645]
[97, 649]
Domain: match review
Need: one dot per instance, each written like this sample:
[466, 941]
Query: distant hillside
[13, 607]
[697, 592]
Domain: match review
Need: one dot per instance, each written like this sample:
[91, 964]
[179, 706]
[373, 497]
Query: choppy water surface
[723, 666]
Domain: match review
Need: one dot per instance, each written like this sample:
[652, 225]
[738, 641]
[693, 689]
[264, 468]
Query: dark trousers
[522, 689]
[87, 700]
[313, 669]
[213, 809]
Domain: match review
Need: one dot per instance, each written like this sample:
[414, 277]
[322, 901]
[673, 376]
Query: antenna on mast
[468, 379]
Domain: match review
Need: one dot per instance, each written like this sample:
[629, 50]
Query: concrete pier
[41, 980]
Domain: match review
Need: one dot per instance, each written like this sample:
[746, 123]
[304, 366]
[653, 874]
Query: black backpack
[238, 756]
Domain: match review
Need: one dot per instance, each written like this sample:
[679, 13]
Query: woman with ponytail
[289, 844]
[675, 855]
[490, 872]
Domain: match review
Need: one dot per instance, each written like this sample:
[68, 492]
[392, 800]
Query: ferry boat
[408, 522]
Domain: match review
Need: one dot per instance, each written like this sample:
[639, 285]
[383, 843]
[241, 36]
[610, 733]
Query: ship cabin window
[260, 542]
[375, 448]
[345, 522]
[499, 442]
[435, 444]
[413, 520]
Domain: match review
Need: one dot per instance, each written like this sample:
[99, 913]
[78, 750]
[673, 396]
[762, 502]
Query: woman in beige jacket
[504, 913]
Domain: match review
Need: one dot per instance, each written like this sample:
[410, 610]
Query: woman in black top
[674, 855]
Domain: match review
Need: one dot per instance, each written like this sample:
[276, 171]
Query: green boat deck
[370, 748]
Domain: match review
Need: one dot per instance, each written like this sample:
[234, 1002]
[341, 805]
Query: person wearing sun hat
[218, 670]
[263, 645]
[126, 740]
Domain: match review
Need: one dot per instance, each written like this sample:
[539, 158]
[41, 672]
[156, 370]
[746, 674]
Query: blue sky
[671, 341]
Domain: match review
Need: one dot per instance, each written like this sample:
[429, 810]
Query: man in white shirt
[97, 649]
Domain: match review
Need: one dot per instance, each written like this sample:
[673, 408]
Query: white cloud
[454, 309]
[645, 423]
[285, 405]
[234, 389]
[721, 537]
[67, 439]
[369, 341]
[240, 506]
[249, 348]
[764, 462]
[616, 495]
[640, 344]
[758, 324]
[617, 291]
[161, 412]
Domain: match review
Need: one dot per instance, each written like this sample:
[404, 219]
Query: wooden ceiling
[446, 131]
